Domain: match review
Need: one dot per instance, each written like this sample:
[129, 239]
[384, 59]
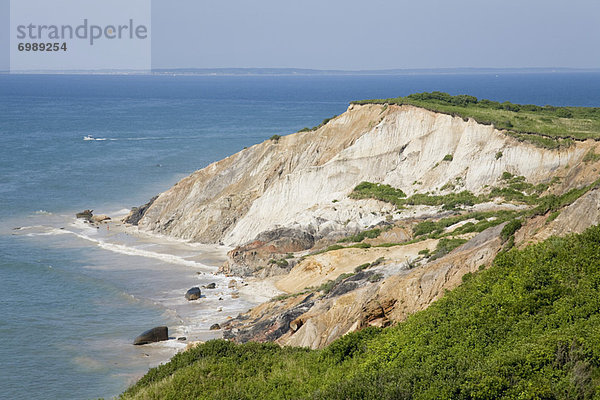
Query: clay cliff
[292, 182]
[285, 207]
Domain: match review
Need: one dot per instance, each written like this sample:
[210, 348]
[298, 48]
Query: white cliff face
[303, 180]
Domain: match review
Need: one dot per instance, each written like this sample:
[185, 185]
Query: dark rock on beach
[210, 286]
[137, 213]
[158, 334]
[215, 327]
[193, 294]
[86, 215]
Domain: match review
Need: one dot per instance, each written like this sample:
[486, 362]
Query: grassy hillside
[556, 123]
[526, 328]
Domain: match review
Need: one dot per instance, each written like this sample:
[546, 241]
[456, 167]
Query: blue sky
[374, 34]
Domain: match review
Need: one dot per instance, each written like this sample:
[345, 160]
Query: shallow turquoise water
[70, 307]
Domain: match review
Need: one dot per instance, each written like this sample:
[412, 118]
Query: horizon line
[291, 71]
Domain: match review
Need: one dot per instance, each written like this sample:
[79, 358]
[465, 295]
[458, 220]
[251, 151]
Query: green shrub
[361, 267]
[368, 190]
[378, 261]
[552, 216]
[371, 234]
[591, 156]
[425, 227]
[275, 138]
[448, 157]
[499, 155]
[448, 186]
[445, 246]
[349, 346]
[282, 263]
[328, 286]
[507, 175]
[359, 246]
[334, 247]
[510, 229]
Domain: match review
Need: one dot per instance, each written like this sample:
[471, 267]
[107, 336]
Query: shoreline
[157, 271]
[247, 292]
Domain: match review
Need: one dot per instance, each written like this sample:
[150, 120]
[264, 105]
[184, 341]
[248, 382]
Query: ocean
[73, 297]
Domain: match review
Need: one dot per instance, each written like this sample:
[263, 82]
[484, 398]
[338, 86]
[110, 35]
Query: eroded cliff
[284, 203]
[302, 180]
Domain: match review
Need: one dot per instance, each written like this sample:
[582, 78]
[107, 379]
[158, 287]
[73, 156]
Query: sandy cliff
[286, 198]
[294, 181]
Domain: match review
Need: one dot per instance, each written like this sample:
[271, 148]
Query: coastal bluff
[301, 182]
[375, 214]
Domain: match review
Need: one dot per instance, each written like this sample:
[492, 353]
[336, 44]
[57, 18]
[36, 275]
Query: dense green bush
[510, 228]
[368, 190]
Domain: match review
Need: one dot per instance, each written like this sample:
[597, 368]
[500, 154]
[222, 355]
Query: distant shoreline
[309, 72]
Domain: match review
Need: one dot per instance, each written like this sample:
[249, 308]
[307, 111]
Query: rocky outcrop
[320, 268]
[267, 322]
[263, 257]
[137, 213]
[575, 218]
[100, 218]
[86, 215]
[158, 334]
[359, 300]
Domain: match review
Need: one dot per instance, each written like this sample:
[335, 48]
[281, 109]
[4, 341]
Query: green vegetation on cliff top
[555, 123]
[526, 328]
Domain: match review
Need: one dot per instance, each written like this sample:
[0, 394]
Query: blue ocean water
[72, 299]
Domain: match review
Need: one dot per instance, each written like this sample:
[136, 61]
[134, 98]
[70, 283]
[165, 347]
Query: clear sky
[374, 34]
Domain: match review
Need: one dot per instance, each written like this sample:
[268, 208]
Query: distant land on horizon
[324, 72]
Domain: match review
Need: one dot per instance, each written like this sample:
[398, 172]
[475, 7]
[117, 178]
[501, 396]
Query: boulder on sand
[86, 215]
[210, 286]
[100, 218]
[193, 294]
[158, 334]
[215, 327]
